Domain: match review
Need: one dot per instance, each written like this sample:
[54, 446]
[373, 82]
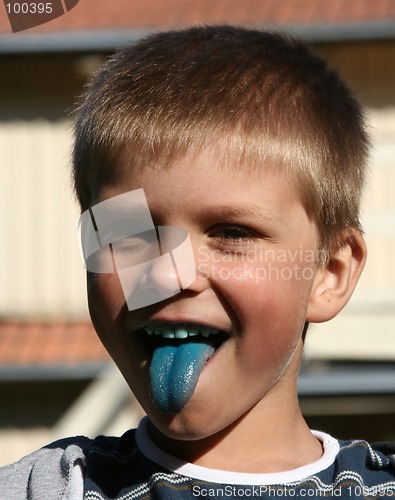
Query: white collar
[153, 452]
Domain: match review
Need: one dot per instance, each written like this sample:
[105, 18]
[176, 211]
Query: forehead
[232, 154]
[207, 179]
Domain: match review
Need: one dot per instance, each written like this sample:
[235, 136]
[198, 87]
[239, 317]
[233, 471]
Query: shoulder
[116, 463]
[375, 456]
[367, 465]
[45, 471]
[49, 470]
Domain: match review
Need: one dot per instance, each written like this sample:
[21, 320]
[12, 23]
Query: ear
[335, 282]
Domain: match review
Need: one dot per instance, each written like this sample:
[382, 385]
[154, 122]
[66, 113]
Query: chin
[189, 424]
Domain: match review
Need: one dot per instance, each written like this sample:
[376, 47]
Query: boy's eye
[233, 234]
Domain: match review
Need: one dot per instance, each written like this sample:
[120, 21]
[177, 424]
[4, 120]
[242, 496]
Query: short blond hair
[268, 97]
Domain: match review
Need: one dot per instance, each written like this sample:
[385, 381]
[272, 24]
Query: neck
[269, 438]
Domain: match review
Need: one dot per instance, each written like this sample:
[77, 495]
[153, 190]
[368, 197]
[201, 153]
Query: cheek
[270, 303]
[106, 304]
[105, 298]
[252, 289]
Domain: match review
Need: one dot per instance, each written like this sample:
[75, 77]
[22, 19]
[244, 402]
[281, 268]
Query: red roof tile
[142, 14]
[27, 344]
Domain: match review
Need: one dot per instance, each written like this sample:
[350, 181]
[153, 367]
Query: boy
[219, 171]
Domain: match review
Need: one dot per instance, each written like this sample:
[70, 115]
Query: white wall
[366, 327]
[40, 267]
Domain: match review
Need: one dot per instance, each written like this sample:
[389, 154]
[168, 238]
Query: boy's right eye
[136, 249]
[124, 230]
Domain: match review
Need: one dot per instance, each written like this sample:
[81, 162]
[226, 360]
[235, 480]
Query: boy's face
[255, 250]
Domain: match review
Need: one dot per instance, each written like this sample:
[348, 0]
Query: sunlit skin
[244, 414]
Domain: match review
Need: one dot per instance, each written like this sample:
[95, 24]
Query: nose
[149, 282]
[160, 277]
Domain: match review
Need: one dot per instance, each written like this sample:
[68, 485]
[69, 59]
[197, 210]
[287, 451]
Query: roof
[49, 348]
[91, 20]
[140, 14]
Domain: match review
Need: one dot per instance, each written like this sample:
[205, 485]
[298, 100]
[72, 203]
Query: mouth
[177, 354]
[156, 335]
[153, 335]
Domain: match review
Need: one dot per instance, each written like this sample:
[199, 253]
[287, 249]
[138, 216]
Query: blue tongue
[174, 372]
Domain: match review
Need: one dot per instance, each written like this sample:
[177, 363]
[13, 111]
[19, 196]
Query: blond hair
[268, 98]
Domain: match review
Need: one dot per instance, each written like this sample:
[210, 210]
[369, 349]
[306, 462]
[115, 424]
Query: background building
[52, 368]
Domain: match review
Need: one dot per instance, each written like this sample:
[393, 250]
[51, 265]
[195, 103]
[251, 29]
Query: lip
[182, 321]
[150, 342]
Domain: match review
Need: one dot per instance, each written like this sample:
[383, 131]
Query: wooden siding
[40, 266]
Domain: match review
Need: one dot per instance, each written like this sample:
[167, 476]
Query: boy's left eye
[233, 234]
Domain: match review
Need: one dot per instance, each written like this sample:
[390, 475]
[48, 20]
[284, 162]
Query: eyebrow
[244, 211]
